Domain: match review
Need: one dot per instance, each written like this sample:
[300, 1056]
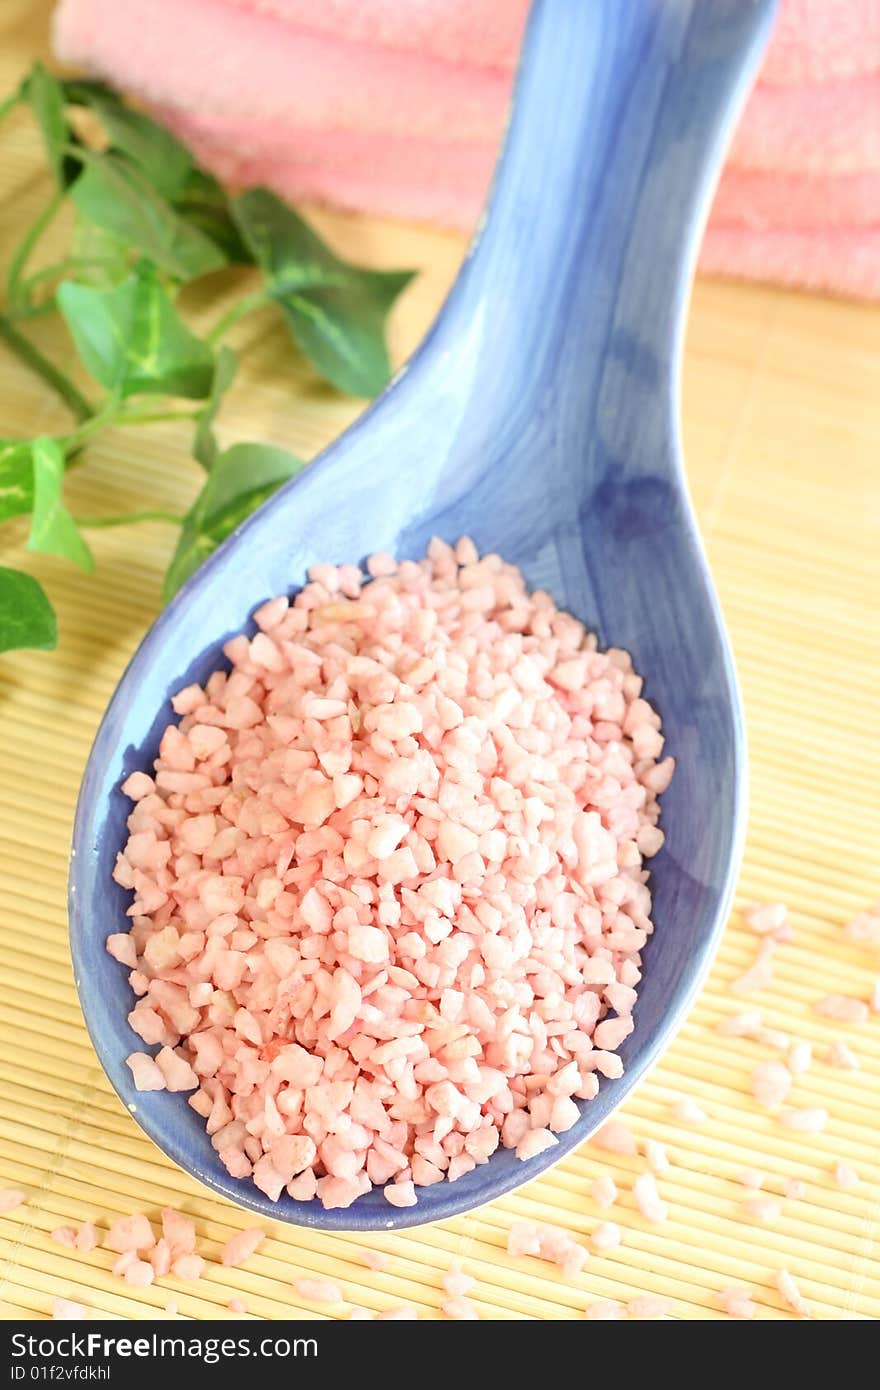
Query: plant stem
[31, 356]
[150, 417]
[27, 244]
[238, 311]
[171, 517]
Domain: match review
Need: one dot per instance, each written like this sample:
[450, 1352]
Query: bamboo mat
[782, 415]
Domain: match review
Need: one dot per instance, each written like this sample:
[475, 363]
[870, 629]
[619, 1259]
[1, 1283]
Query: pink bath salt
[86, 1237]
[648, 1199]
[359, 1315]
[742, 1025]
[400, 1194]
[759, 974]
[795, 1189]
[605, 1310]
[160, 1258]
[807, 1120]
[456, 1282]
[523, 1238]
[120, 946]
[840, 1055]
[736, 1303]
[10, 1198]
[766, 918]
[373, 1259]
[865, 929]
[389, 880]
[172, 1308]
[130, 1233]
[845, 1175]
[138, 785]
[67, 1310]
[800, 1055]
[459, 1310]
[145, 1072]
[64, 1235]
[791, 1294]
[771, 1083]
[686, 1112]
[237, 1305]
[649, 1307]
[188, 1267]
[604, 1191]
[606, 1236]
[123, 1263]
[655, 1153]
[534, 1143]
[318, 1290]
[179, 1232]
[843, 1008]
[139, 1274]
[616, 1138]
[752, 1178]
[764, 1210]
[176, 1070]
[239, 1248]
[573, 1259]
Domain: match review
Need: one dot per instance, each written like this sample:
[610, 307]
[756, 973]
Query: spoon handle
[620, 119]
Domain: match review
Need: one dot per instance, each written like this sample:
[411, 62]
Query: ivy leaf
[45, 96]
[99, 257]
[203, 203]
[27, 618]
[165, 161]
[53, 529]
[205, 447]
[132, 340]
[16, 479]
[335, 311]
[241, 479]
[120, 197]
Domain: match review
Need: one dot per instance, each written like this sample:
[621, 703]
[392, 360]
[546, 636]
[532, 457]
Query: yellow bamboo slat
[782, 423]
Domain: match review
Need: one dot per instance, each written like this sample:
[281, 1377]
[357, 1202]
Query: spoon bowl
[540, 417]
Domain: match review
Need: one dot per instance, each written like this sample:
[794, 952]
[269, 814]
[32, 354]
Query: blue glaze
[540, 417]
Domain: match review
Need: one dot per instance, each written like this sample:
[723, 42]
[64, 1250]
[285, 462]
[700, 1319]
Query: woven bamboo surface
[782, 419]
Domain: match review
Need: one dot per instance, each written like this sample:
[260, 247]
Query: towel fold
[398, 109]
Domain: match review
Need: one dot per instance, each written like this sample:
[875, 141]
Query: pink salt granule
[86, 1237]
[810, 1119]
[10, 1198]
[800, 1055]
[865, 929]
[179, 1232]
[771, 1083]
[765, 1210]
[389, 890]
[687, 1112]
[843, 1008]
[794, 1188]
[373, 1259]
[760, 973]
[791, 1294]
[237, 1305]
[130, 1233]
[649, 1307]
[736, 1303]
[239, 1248]
[66, 1310]
[188, 1267]
[752, 1178]
[845, 1175]
[64, 1235]
[459, 1310]
[616, 1138]
[318, 1290]
[741, 1025]
[655, 1153]
[648, 1199]
[604, 1191]
[605, 1310]
[606, 1236]
[769, 919]
[840, 1055]
[455, 1282]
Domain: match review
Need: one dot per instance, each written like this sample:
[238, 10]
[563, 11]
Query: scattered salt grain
[771, 1083]
[318, 1290]
[752, 1178]
[760, 973]
[606, 1236]
[648, 1199]
[845, 1175]
[656, 1155]
[795, 1189]
[809, 1120]
[64, 1235]
[765, 1210]
[605, 1310]
[459, 1310]
[130, 1233]
[604, 1191]
[373, 1259]
[843, 1008]
[456, 1282]
[10, 1198]
[86, 1237]
[188, 1267]
[616, 1138]
[66, 1310]
[239, 1248]
[237, 1305]
[840, 1055]
[649, 1307]
[791, 1294]
[865, 929]
[736, 1303]
[800, 1055]
[742, 1025]
[687, 1112]
[767, 918]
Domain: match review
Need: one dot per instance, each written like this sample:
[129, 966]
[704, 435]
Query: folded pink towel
[398, 109]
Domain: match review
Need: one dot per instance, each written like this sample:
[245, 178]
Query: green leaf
[165, 161]
[241, 479]
[132, 339]
[45, 96]
[99, 257]
[53, 529]
[118, 196]
[27, 618]
[335, 311]
[16, 479]
[203, 203]
[205, 447]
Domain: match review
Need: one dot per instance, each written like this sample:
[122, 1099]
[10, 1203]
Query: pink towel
[398, 109]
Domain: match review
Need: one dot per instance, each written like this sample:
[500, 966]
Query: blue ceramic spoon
[540, 417]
